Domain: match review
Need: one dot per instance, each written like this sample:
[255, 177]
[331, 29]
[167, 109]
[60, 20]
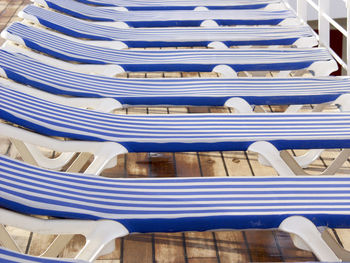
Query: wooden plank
[137, 75]
[232, 247]
[289, 252]
[190, 74]
[169, 247]
[137, 248]
[20, 236]
[172, 74]
[263, 247]
[154, 75]
[200, 247]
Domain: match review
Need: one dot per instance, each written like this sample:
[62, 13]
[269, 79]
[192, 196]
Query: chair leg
[239, 104]
[225, 71]
[79, 162]
[32, 155]
[337, 163]
[272, 156]
[323, 68]
[7, 241]
[98, 242]
[57, 246]
[306, 236]
[306, 159]
[341, 253]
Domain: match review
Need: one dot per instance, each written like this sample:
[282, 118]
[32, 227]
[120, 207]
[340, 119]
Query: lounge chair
[265, 133]
[226, 62]
[136, 5]
[239, 93]
[177, 18]
[7, 255]
[103, 209]
[119, 38]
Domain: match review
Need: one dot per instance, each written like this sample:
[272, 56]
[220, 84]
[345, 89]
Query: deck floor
[190, 247]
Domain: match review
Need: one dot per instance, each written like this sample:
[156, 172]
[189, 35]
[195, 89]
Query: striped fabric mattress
[161, 37]
[180, 132]
[175, 204]
[199, 92]
[183, 4]
[171, 17]
[7, 256]
[166, 60]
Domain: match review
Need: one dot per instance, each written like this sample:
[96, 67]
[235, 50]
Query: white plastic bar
[302, 10]
[348, 37]
[324, 22]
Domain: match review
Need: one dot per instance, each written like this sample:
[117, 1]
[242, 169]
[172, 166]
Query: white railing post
[348, 37]
[302, 10]
[323, 23]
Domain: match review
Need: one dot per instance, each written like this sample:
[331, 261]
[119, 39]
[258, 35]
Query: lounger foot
[201, 8]
[225, 71]
[239, 104]
[323, 68]
[290, 22]
[272, 156]
[103, 234]
[209, 23]
[117, 24]
[306, 236]
[343, 102]
[217, 45]
[276, 7]
[306, 42]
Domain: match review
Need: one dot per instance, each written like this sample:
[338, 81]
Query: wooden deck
[190, 247]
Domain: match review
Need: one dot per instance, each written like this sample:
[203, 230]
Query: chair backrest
[167, 60]
[169, 18]
[264, 35]
[205, 92]
[183, 132]
[175, 204]
[156, 4]
[7, 255]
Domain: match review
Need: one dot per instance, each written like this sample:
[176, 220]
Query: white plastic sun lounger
[238, 93]
[103, 209]
[119, 38]
[7, 255]
[226, 62]
[136, 5]
[169, 18]
[264, 133]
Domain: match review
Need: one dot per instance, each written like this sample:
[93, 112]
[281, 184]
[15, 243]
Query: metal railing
[322, 7]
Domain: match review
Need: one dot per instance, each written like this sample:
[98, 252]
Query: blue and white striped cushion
[182, 132]
[159, 37]
[171, 18]
[172, 60]
[200, 92]
[7, 256]
[176, 204]
[183, 4]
